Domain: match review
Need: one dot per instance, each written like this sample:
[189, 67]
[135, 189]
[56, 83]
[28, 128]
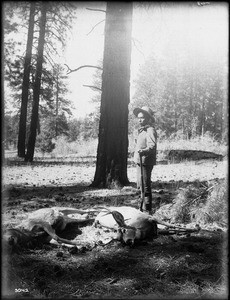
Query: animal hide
[141, 225]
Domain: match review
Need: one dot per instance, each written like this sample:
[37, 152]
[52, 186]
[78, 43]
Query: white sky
[84, 49]
[205, 28]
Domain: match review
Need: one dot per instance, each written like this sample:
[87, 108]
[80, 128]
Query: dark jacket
[146, 140]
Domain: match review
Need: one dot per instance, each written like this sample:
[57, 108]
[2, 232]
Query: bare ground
[169, 267]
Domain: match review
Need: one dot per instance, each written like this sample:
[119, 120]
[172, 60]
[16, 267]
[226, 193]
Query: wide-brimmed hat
[145, 110]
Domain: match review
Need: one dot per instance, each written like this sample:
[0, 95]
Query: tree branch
[95, 26]
[96, 9]
[93, 87]
[50, 59]
[85, 66]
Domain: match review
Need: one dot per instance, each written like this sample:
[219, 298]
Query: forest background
[183, 78]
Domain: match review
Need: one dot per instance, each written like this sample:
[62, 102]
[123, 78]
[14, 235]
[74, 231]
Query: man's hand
[142, 152]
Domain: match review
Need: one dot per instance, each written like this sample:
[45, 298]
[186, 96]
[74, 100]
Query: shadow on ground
[84, 196]
[179, 264]
[169, 265]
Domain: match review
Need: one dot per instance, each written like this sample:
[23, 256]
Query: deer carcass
[137, 225]
[43, 224]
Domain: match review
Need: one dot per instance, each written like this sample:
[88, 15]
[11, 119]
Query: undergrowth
[80, 148]
[202, 143]
[215, 209]
[202, 205]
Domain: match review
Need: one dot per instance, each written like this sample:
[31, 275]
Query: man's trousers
[146, 204]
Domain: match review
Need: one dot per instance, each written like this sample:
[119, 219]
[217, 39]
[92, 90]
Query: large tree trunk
[25, 85]
[112, 152]
[37, 85]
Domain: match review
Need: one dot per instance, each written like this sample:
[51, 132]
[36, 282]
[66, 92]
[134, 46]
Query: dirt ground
[169, 267]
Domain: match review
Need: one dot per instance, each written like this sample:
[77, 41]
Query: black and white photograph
[115, 150]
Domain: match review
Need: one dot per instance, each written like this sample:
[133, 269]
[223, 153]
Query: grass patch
[66, 150]
[81, 148]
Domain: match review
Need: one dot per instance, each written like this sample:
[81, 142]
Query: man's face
[142, 119]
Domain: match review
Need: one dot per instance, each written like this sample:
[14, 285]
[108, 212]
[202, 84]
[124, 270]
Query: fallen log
[178, 155]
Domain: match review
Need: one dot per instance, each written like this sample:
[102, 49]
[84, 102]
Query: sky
[84, 48]
[204, 28]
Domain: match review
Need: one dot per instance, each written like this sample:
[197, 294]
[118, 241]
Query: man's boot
[147, 205]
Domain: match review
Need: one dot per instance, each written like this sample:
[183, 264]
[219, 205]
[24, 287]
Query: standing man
[146, 147]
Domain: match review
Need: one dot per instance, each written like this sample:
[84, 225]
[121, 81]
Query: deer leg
[67, 220]
[69, 211]
[164, 223]
[52, 233]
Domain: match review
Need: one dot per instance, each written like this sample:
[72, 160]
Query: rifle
[142, 184]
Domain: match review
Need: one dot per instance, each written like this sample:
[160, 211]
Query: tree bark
[37, 84]
[25, 84]
[112, 152]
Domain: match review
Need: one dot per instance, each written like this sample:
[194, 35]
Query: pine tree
[112, 152]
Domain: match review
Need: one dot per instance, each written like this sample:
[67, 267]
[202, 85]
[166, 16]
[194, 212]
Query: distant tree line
[73, 129]
[188, 93]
